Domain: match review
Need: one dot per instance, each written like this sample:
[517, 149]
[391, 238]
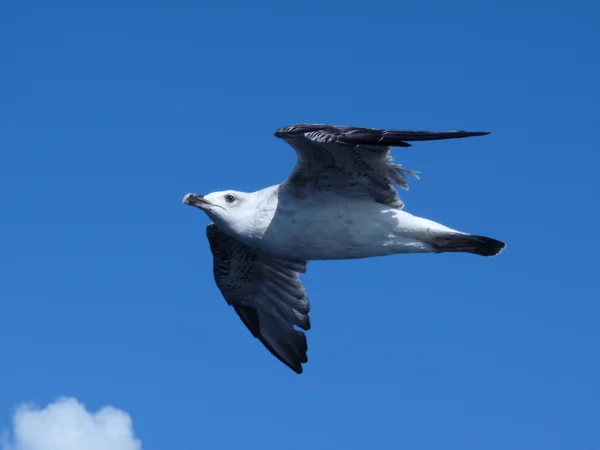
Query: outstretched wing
[354, 159]
[266, 293]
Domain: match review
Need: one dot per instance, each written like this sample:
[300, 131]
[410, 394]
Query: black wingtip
[296, 364]
[343, 135]
[468, 243]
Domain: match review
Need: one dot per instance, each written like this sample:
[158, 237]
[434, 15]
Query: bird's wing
[355, 160]
[266, 293]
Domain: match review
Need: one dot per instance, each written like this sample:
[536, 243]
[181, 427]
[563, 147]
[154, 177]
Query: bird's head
[227, 209]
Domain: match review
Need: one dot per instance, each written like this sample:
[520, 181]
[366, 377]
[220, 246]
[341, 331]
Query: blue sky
[109, 114]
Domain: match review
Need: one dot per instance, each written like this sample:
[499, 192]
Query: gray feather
[354, 159]
[266, 293]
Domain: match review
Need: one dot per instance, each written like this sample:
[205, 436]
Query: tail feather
[467, 243]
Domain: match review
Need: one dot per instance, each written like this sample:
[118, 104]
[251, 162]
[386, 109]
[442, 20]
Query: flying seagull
[339, 202]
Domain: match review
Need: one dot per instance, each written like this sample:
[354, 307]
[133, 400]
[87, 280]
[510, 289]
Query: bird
[339, 202]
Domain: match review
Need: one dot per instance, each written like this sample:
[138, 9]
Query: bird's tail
[467, 243]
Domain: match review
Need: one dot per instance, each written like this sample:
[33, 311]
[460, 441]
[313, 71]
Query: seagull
[339, 202]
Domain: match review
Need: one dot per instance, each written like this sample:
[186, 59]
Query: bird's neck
[251, 227]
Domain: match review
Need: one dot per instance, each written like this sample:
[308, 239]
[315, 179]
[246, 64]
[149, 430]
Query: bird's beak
[196, 200]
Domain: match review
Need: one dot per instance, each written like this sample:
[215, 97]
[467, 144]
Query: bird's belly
[336, 232]
[314, 243]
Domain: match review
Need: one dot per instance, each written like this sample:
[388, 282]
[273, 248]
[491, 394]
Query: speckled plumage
[266, 293]
[357, 160]
[339, 202]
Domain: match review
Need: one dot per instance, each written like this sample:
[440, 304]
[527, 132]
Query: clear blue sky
[109, 114]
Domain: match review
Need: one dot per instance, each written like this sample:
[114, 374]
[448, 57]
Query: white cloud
[67, 425]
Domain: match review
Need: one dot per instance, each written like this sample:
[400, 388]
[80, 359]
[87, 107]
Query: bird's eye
[229, 198]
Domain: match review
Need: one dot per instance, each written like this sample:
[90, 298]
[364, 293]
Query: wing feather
[266, 293]
[353, 159]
